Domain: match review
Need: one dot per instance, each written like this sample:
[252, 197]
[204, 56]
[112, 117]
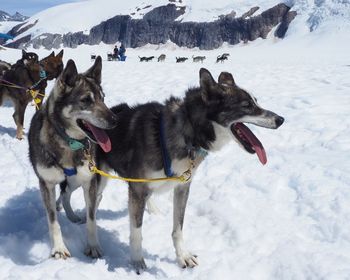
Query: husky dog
[161, 58]
[198, 58]
[50, 68]
[181, 59]
[222, 57]
[52, 65]
[146, 59]
[155, 140]
[25, 73]
[72, 119]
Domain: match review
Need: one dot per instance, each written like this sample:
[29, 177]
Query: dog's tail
[64, 200]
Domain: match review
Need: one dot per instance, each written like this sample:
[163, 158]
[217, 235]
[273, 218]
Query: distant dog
[222, 58]
[161, 58]
[155, 140]
[198, 58]
[181, 59]
[73, 118]
[146, 59]
[15, 83]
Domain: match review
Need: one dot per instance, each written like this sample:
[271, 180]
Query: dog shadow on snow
[8, 130]
[24, 234]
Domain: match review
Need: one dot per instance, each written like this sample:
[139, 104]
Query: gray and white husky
[155, 140]
[69, 123]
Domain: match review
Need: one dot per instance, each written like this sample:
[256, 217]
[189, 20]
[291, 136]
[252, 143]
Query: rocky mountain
[160, 25]
[16, 17]
[204, 24]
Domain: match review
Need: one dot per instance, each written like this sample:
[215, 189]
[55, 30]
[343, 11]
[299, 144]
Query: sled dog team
[74, 129]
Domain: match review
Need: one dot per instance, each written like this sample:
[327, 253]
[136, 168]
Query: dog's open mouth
[96, 134]
[249, 141]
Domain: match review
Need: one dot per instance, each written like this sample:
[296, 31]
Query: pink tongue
[258, 147]
[101, 137]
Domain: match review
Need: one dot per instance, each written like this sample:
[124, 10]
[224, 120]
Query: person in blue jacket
[122, 51]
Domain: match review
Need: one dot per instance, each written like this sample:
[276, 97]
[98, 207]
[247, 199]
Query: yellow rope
[185, 177]
[11, 85]
[32, 92]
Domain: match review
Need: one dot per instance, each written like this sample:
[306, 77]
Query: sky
[29, 7]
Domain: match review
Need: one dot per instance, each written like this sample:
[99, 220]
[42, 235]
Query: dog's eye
[245, 104]
[86, 100]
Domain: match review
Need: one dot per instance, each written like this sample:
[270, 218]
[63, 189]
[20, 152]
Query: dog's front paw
[187, 260]
[94, 252]
[60, 253]
[139, 265]
[20, 136]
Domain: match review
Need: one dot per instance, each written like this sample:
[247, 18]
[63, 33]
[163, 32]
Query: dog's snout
[279, 121]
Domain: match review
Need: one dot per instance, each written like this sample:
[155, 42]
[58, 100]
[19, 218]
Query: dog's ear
[206, 82]
[95, 71]
[226, 78]
[60, 54]
[52, 54]
[69, 74]
[24, 53]
[205, 79]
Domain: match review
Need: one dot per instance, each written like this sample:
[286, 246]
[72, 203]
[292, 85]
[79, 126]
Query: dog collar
[42, 76]
[70, 171]
[73, 144]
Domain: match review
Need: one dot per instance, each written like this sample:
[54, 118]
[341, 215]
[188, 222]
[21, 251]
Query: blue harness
[165, 154]
[70, 171]
[193, 152]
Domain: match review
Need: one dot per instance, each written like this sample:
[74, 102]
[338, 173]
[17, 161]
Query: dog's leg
[93, 196]
[63, 187]
[137, 202]
[184, 258]
[18, 116]
[59, 249]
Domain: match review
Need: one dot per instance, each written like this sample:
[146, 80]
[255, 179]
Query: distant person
[122, 52]
[116, 52]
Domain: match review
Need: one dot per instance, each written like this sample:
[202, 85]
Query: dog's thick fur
[198, 58]
[161, 58]
[200, 121]
[75, 98]
[146, 59]
[4, 66]
[181, 59]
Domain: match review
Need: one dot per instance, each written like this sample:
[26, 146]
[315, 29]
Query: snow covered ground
[289, 219]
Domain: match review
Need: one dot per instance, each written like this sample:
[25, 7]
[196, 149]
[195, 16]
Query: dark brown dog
[27, 80]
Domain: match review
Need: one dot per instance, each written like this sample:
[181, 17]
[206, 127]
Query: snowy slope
[6, 26]
[286, 220]
[82, 16]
